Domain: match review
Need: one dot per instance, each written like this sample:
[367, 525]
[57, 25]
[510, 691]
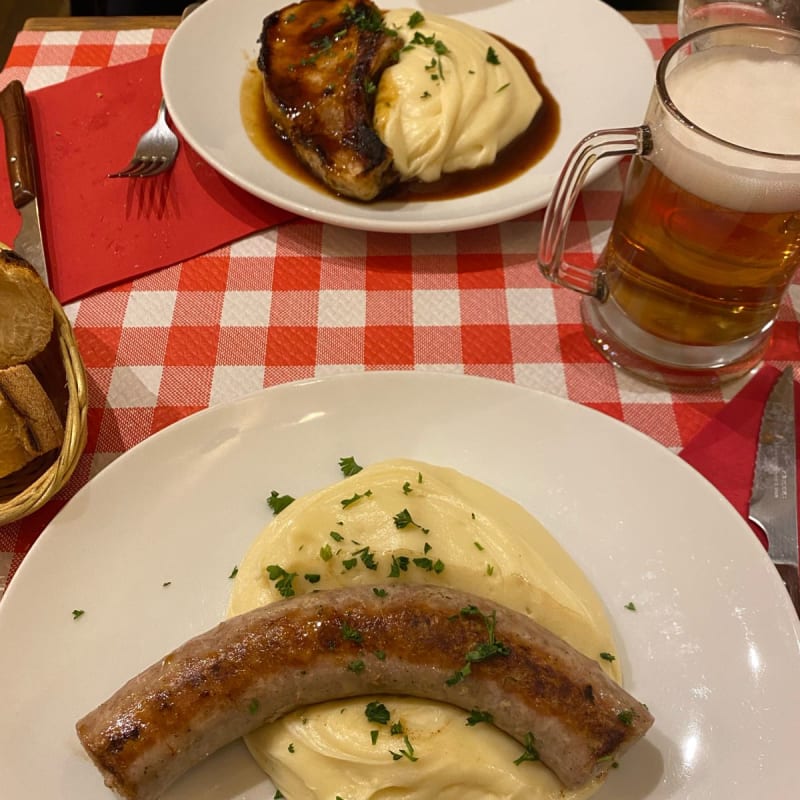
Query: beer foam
[746, 96]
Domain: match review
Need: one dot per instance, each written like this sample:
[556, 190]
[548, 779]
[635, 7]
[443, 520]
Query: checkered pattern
[307, 299]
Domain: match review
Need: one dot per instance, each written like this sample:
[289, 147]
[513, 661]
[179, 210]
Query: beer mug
[706, 239]
[696, 14]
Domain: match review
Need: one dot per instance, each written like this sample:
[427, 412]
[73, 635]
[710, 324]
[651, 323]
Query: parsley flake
[403, 519]
[277, 502]
[282, 579]
[476, 716]
[377, 712]
[529, 753]
[349, 467]
[608, 657]
[355, 498]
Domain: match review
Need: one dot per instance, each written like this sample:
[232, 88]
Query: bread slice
[26, 311]
[29, 424]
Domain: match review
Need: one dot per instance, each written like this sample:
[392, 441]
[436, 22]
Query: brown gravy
[518, 157]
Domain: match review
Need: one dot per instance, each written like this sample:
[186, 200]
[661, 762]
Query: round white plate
[592, 59]
[713, 647]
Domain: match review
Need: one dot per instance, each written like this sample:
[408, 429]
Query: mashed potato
[452, 530]
[455, 98]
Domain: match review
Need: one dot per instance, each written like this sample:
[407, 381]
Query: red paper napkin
[100, 231]
[725, 450]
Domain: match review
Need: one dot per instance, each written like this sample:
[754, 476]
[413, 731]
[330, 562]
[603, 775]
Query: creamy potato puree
[448, 111]
[489, 545]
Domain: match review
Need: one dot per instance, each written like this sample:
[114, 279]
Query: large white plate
[597, 66]
[713, 648]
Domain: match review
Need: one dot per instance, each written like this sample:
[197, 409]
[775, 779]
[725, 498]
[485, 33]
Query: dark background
[91, 7]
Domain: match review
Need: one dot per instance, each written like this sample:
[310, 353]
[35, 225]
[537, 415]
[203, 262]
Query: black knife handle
[19, 144]
[791, 580]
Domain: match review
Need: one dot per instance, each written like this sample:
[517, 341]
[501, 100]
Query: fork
[155, 152]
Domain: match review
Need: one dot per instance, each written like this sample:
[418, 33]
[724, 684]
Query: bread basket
[60, 371]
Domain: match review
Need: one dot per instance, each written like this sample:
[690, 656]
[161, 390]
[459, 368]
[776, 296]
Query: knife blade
[21, 161]
[773, 501]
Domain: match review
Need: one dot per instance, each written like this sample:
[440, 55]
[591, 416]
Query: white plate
[713, 648]
[595, 63]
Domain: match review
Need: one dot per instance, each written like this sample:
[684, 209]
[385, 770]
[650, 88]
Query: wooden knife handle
[19, 144]
[791, 580]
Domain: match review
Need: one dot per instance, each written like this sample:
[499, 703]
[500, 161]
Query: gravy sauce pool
[519, 156]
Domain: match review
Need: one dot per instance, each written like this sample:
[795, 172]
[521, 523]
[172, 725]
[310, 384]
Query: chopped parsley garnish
[167, 583]
[337, 537]
[481, 651]
[403, 519]
[429, 565]
[626, 716]
[630, 606]
[78, 612]
[356, 666]
[406, 487]
[476, 716]
[529, 753]
[396, 729]
[234, 572]
[278, 795]
[373, 734]
[380, 655]
[312, 577]
[416, 19]
[349, 563]
[408, 752]
[478, 545]
[355, 498]
[326, 553]
[253, 707]
[351, 634]
[318, 23]
[349, 467]
[379, 592]
[290, 748]
[282, 579]
[399, 564]
[377, 712]
[504, 86]
[491, 56]
[277, 502]
[366, 19]
[367, 558]
[489, 570]
[608, 657]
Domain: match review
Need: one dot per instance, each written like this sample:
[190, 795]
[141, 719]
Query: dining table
[304, 299]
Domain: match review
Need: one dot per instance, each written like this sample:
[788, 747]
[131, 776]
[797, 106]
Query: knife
[773, 502]
[21, 161]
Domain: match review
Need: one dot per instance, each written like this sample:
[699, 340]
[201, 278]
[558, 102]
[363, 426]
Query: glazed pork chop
[321, 61]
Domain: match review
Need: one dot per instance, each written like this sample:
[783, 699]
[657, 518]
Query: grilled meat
[321, 61]
[256, 667]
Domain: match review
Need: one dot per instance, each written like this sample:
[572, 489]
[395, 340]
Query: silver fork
[155, 152]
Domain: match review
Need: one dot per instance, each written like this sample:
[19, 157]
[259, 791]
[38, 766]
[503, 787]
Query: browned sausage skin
[420, 640]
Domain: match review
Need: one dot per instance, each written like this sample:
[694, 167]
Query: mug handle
[597, 145]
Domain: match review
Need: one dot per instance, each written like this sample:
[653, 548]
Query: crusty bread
[26, 311]
[29, 424]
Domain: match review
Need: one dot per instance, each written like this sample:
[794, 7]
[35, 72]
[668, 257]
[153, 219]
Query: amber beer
[707, 237]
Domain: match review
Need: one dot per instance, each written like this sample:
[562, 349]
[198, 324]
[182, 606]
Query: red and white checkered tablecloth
[307, 299]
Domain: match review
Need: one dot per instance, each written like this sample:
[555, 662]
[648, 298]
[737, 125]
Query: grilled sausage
[421, 640]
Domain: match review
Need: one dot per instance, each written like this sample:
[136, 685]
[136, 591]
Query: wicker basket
[60, 370]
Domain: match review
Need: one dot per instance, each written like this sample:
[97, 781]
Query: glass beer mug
[706, 239]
